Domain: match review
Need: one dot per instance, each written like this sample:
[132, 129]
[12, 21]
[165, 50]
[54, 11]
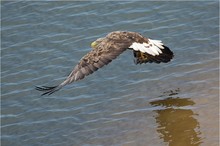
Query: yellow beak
[93, 44]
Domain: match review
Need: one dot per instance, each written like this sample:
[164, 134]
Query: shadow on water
[176, 121]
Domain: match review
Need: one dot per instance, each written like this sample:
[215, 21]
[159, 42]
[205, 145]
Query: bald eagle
[105, 49]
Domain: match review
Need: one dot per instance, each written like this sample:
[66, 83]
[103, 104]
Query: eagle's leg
[140, 57]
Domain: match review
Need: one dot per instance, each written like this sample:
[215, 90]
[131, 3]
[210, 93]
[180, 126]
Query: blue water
[122, 104]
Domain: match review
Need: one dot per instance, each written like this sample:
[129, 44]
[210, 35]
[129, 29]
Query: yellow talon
[143, 56]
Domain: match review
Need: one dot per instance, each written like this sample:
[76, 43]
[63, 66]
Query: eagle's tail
[164, 57]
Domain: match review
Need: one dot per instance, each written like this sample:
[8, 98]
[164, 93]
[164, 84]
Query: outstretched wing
[105, 52]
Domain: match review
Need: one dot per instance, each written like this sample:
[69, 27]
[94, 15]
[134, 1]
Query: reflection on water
[176, 122]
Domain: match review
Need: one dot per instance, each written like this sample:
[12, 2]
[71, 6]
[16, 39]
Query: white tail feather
[153, 47]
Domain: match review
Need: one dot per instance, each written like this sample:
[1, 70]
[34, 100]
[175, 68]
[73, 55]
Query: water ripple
[122, 103]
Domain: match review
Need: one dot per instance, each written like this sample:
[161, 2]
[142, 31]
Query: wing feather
[92, 61]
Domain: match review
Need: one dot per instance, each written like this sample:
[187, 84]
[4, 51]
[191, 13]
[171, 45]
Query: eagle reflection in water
[176, 121]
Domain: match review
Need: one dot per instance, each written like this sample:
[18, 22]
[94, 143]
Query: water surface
[122, 104]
